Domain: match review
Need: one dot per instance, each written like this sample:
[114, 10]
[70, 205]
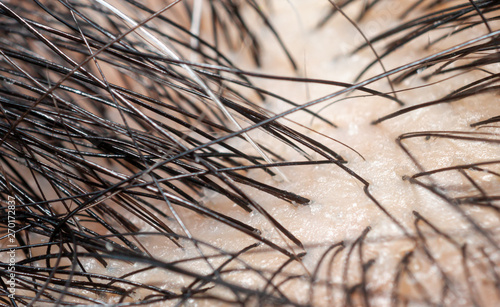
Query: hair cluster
[116, 116]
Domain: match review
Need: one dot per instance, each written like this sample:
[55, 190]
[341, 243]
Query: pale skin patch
[425, 267]
[424, 232]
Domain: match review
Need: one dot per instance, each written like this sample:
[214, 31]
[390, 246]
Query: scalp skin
[271, 157]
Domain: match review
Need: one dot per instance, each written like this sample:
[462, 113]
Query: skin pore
[302, 153]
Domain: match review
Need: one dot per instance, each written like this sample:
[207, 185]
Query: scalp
[280, 154]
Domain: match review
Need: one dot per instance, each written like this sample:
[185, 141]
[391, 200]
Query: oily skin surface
[437, 243]
[378, 230]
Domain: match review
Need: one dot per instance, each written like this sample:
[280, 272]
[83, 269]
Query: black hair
[104, 117]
